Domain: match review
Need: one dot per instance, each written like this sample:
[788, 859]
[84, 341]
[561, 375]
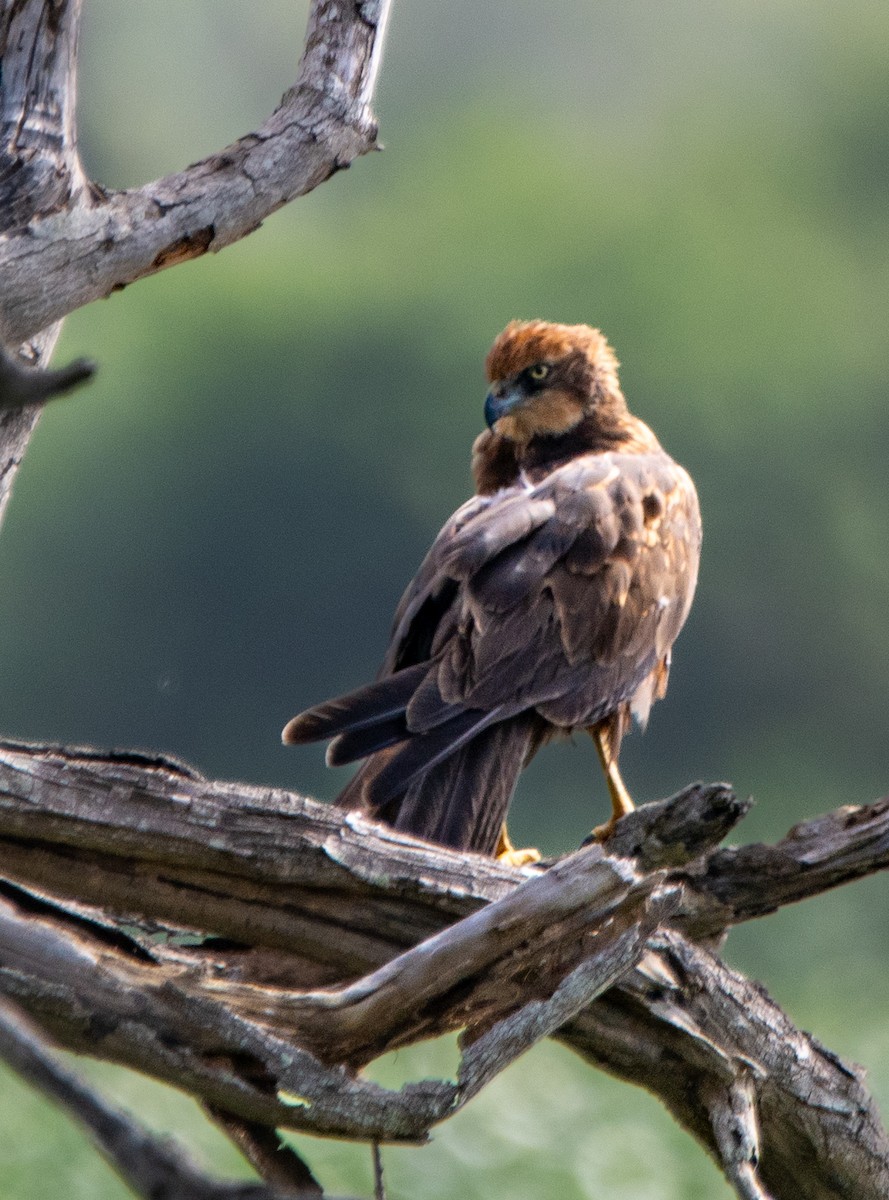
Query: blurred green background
[215, 534]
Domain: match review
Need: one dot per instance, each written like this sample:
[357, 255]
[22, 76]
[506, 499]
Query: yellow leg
[621, 802]
[507, 853]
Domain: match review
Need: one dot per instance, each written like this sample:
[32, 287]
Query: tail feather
[368, 706]
[357, 743]
[451, 783]
[461, 801]
[424, 751]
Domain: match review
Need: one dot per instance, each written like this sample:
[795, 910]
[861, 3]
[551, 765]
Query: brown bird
[549, 602]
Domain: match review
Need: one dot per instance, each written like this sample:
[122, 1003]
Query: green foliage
[215, 534]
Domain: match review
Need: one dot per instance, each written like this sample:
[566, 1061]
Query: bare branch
[40, 172]
[276, 1161]
[592, 913]
[95, 999]
[147, 834]
[538, 932]
[736, 1131]
[379, 1182]
[153, 1167]
[86, 243]
[65, 241]
[687, 1028]
[668, 833]
[744, 882]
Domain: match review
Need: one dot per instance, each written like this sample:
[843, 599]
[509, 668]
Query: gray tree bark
[65, 240]
[276, 955]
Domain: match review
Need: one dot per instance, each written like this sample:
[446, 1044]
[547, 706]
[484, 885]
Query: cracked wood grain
[155, 1012]
[741, 883]
[678, 1023]
[726, 1061]
[153, 1167]
[76, 242]
[65, 240]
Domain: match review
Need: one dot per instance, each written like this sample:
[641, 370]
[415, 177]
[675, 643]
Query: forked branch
[79, 242]
[319, 912]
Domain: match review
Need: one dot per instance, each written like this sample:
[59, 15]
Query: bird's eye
[538, 371]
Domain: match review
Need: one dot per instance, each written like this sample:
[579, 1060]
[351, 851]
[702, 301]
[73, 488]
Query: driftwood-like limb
[40, 171]
[94, 999]
[315, 899]
[744, 882]
[153, 1167]
[694, 1031]
[538, 932]
[670, 833]
[78, 243]
[76, 978]
[735, 1124]
[379, 1181]
[270, 868]
[65, 241]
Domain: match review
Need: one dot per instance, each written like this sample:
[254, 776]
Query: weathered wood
[93, 998]
[155, 1168]
[65, 241]
[255, 864]
[481, 970]
[668, 833]
[40, 171]
[722, 1057]
[114, 999]
[70, 244]
[743, 882]
[275, 1160]
[707, 1042]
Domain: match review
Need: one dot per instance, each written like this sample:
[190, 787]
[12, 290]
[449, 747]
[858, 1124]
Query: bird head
[545, 379]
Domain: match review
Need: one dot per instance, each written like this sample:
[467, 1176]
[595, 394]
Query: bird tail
[375, 713]
[461, 798]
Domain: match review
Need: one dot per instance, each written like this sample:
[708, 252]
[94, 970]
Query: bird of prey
[549, 602]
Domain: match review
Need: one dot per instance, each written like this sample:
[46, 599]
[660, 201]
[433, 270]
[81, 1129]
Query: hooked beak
[499, 401]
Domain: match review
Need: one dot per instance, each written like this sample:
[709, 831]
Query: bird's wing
[486, 524]
[562, 597]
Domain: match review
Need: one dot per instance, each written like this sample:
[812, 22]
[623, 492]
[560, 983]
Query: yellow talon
[507, 854]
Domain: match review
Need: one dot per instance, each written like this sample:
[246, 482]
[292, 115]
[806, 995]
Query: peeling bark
[65, 240]
[75, 242]
[266, 1024]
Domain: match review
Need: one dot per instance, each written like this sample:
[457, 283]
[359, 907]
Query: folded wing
[536, 607]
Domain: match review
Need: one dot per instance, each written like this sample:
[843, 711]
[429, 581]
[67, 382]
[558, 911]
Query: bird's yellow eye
[538, 372]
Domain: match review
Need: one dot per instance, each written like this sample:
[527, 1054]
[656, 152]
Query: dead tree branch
[261, 909]
[701, 1038]
[153, 1167]
[24, 384]
[73, 242]
[744, 882]
[65, 240]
